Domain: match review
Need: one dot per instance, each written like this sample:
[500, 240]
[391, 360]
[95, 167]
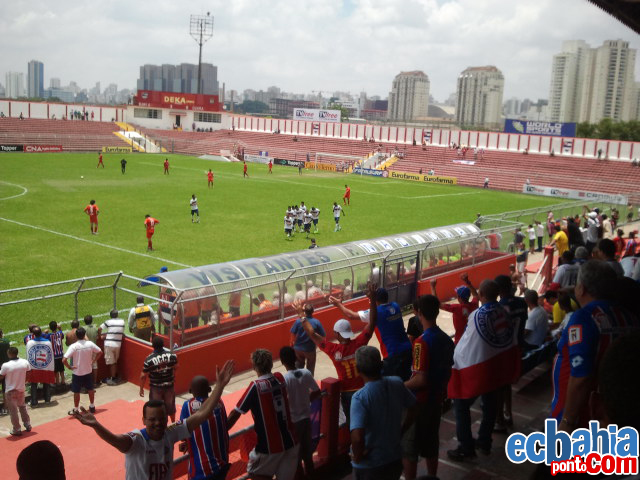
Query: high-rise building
[409, 96]
[512, 107]
[14, 85]
[479, 97]
[54, 82]
[181, 78]
[35, 79]
[589, 84]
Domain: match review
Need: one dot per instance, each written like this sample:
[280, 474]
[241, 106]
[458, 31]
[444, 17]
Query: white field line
[326, 187]
[24, 190]
[80, 239]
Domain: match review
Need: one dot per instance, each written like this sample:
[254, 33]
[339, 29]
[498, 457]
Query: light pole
[201, 29]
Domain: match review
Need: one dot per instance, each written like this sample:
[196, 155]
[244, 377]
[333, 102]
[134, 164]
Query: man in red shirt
[619, 243]
[150, 224]
[347, 195]
[244, 169]
[100, 161]
[166, 166]
[270, 166]
[461, 310]
[210, 179]
[92, 210]
[343, 353]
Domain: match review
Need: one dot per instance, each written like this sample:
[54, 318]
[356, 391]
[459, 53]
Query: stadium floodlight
[201, 29]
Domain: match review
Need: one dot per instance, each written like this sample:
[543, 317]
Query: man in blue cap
[461, 310]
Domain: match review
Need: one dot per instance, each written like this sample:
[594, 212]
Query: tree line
[609, 129]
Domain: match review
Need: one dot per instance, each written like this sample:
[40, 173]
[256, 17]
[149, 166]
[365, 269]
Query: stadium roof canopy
[627, 11]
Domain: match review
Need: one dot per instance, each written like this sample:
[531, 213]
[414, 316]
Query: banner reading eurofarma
[533, 127]
[315, 115]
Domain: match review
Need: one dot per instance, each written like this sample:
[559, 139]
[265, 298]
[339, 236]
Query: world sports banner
[42, 148]
[116, 149]
[576, 194]
[531, 127]
[371, 172]
[418, 177]
[257, 158]
[315, 115]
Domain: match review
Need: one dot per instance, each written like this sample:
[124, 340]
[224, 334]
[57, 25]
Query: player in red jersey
[343, 353]
[244, 170]
[347, 195]
[150, 224]
[100, 161]
[166, 166]
[92, 210]
[270, 166]
[210, 179]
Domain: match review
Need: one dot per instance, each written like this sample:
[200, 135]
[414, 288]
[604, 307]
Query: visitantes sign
[180, 101]
[116, 149]
[575, 194]
[315, 115]
[418, 177]
[532, 127]
[371, 172]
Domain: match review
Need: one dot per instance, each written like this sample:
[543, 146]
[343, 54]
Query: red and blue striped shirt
[268, 402]
[209, 443]
[56, 343]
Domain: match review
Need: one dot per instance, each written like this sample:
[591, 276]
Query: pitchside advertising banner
[289, 163]
[320, 166]
[315, 115]
[257, 159]
[418, 177]
[31, 148]
[371, 172]
[116, 149]
[576, 194]
[182, 101]
[531, 127]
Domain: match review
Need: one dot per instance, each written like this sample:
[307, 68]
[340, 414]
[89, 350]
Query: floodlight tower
[201, 29]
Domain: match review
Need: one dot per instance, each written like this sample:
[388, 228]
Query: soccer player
[166, 166]
[337, 211]
[288, 225]
[347, 195]
[299, 217]
[315, 213]
[307, 218]
[100, 161]
[150, 225]
[270, 166]
[303, 207]
[244, 170]
[92, 210]
[210, 179]
[195, 214]
[294, 214]
[123, 165]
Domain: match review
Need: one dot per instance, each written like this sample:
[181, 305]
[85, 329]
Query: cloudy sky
[300, 45]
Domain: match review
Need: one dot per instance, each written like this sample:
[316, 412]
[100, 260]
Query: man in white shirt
[302, 390]
[14, 373]
[539, 234]
[195, 214]
[149, 451]
[337, 211]
[288, 225]
[315, 213]
[537, 326]
[112, 332]
[83, 353]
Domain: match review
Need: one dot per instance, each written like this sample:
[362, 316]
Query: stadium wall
[202, 359]
[46, 110]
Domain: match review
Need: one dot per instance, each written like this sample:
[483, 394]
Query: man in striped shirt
[208, 445]
[112, 332]
[56, 336]
[276, 452]
[160, 367]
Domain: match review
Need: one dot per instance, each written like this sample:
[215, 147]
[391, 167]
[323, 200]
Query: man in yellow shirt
[560, 240]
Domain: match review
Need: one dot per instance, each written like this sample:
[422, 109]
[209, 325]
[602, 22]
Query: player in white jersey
[307, 223]
[299, 217]
[288, 225]
[315, 213]
[195, 214]
[337, 211]
[303, 207]
[294, 215]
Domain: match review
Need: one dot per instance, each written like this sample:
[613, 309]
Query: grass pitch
[45, 236]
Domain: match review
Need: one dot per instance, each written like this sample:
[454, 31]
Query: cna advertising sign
[179, 101]
[533, 127]
[315, 115]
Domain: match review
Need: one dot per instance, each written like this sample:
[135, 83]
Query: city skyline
[339, 45]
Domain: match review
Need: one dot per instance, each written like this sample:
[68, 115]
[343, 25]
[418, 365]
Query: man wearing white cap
[592, 230]
[343, 353]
